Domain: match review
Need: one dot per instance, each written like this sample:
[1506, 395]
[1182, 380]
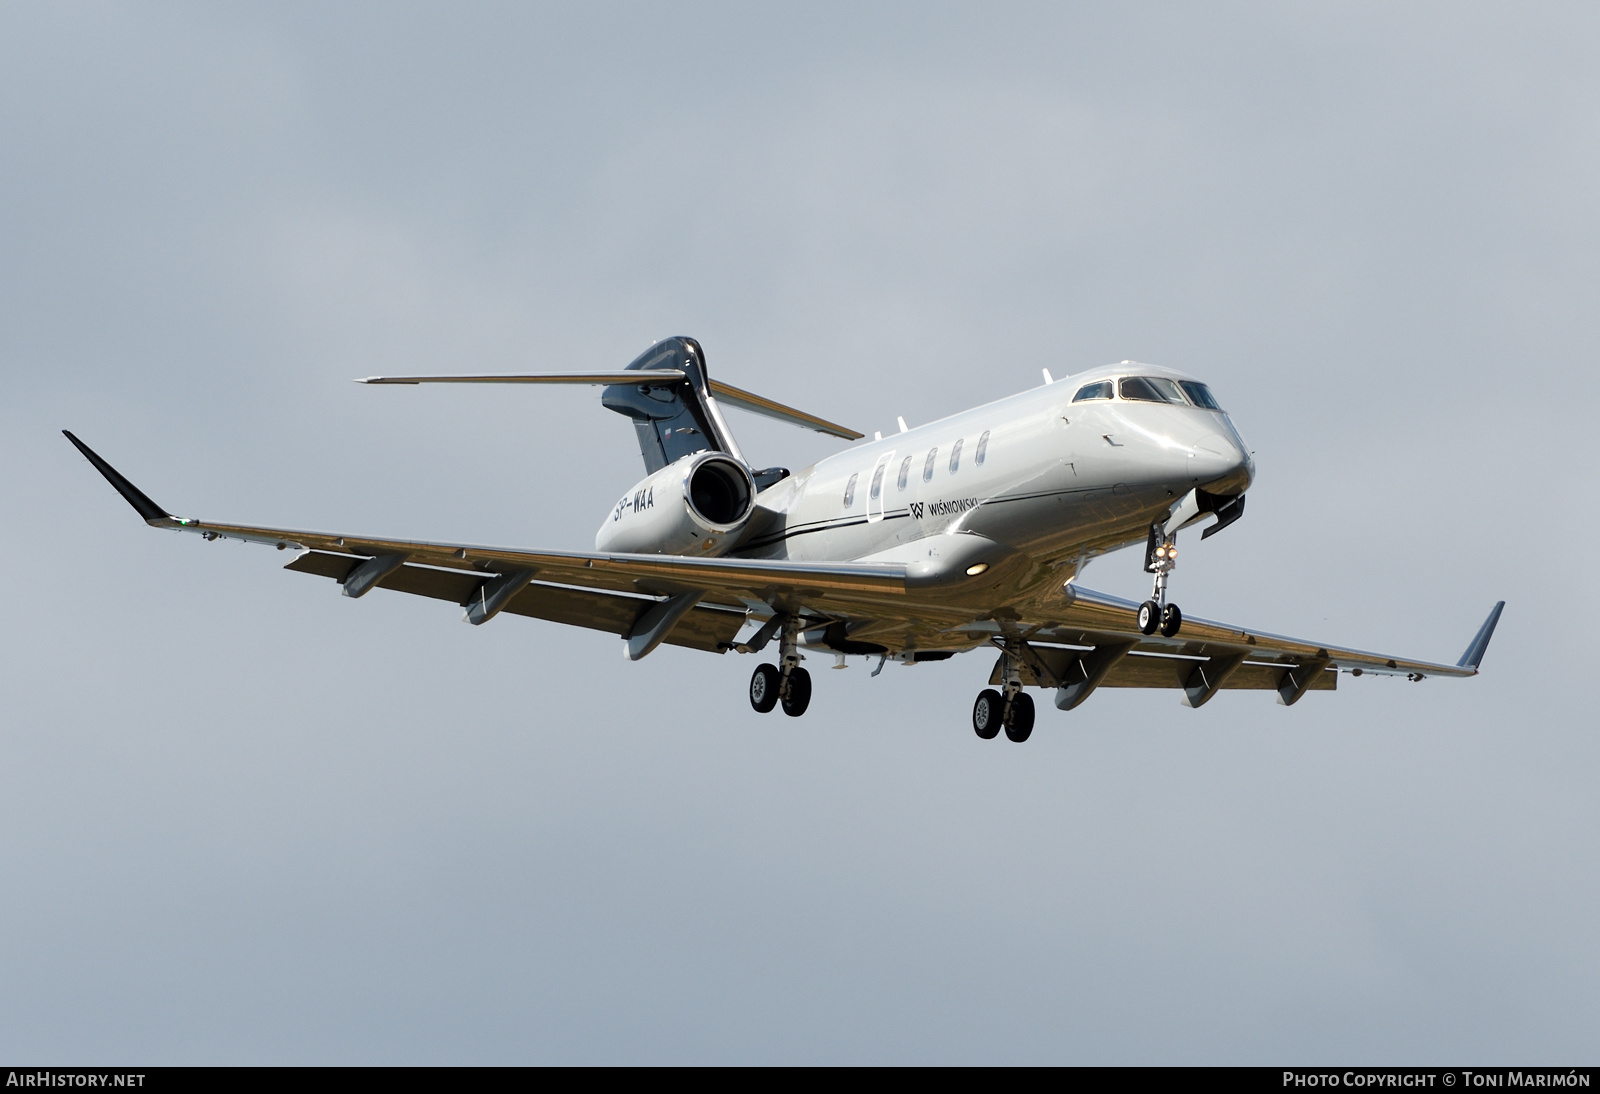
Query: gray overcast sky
[243, 819]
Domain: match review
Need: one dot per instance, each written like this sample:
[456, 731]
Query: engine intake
[720, 492]
[697, 505]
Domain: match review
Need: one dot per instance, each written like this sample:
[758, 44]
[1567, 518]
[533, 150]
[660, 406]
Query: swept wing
[460, 572]
[1072, 638]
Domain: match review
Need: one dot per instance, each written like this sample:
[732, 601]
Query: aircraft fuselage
[1037, 472]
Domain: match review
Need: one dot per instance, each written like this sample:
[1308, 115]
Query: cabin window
[955, 455]
[1199, 394]
[850, 491]
[877, 481]
[983, 449]
[1150, 389]
[927, 468]
[1102, 390]
[905, 473]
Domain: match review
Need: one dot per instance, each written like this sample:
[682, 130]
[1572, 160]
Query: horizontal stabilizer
[727, 393]
[758, 404]
[636, 376]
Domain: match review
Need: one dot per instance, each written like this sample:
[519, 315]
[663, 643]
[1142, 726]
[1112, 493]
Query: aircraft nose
[1219, 464]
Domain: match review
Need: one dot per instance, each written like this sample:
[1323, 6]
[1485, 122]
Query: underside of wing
[709, 597]
[701, 628]
[1094, 641]
[1092, 618]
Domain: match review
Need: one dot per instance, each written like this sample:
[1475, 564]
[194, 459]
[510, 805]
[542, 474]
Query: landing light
[974, 571]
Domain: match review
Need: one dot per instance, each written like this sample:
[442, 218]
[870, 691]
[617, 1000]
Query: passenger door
[878, 486]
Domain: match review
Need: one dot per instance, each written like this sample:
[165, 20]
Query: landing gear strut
[1010, 708]
[785, 683]
[1160, 558]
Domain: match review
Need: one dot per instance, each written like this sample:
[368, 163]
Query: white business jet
[967, 533]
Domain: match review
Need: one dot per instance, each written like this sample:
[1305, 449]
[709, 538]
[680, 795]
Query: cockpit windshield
[1151, 389]
[1199, 394]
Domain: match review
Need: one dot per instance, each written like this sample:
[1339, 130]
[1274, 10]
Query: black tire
[1171, 620]
[799, 693]
[764, 688]
[1149, 617]
[1020, 727]
[987, 713]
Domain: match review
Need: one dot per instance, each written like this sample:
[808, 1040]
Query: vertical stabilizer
[675, 418]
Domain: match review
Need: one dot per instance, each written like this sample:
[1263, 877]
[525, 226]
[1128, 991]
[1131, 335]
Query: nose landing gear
[1160, 558]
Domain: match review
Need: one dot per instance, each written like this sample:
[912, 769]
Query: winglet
[1474, 655]
[149, 510]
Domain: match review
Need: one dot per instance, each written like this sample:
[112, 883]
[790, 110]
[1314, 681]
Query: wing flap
[1093, 618]
[702, 628]
[1145, 670]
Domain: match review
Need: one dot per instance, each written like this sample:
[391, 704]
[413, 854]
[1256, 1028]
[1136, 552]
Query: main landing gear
[992, 713]
[1160, 558]
[1010, 709]
[789, 685]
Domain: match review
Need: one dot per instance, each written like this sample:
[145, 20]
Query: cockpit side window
[1102, 390]
[1199, 394]
[1150, 389]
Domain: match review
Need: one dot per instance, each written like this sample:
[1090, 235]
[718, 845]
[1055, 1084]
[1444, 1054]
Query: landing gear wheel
[986, 714]
[1020, 726]
[764, 688]
[1149, 616]
[1171, 620]
[798, 696]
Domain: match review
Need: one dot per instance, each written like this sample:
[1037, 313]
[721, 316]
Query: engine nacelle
[696, 506]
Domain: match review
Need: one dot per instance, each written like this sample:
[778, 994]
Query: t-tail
[675, 407]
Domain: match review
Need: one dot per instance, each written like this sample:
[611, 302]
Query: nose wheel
[1153, 617]
[1171, 620]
